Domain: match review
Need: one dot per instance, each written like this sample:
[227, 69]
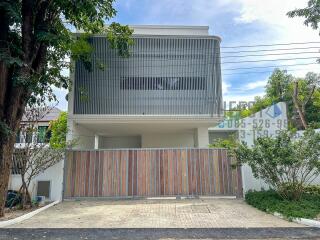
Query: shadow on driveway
[158, 233]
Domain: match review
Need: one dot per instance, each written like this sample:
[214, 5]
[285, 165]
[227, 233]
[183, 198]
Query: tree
[302, 96]
[35, 41]
[34, 156]
[59, 132]
[312, 18]
[303, 91]
[277, 87]
[285, 163]
[311, 14]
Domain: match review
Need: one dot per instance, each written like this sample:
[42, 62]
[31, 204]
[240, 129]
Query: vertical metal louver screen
[163, 76]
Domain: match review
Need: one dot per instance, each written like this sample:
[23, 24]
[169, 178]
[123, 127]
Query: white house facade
[166, 94]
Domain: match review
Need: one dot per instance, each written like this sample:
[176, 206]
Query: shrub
[228, 143]
[270, 201]
[59, 131]
[287, 164]
[312, 189]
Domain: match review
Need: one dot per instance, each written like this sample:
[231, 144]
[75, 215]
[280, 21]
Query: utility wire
[270, 50]
[268, 54]
[269, 45]
[271, 60]
[274, 66]
[269, 71]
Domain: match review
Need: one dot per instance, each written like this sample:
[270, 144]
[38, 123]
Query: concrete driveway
[195, 213]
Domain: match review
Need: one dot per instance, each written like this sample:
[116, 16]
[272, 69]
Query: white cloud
[241, 98]
[273, 14]
[225, 87]
[255, 85]
[200, 12]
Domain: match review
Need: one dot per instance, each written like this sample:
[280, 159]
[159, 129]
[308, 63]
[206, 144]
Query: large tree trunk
[12, 104]
[13, 97]
[6, 150]
[10, 117]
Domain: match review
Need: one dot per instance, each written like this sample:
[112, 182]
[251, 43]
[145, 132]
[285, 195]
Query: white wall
[170, 30]
[263, 123]
[120, 142]
[299, 134]
[169, 140]
[53, 174]
[201, 137]
[268, 122]
[84, 137]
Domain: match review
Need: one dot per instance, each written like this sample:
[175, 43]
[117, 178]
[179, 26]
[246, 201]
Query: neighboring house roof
[53, 114]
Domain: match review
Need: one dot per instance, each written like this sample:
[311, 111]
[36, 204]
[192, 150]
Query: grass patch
[269, 201]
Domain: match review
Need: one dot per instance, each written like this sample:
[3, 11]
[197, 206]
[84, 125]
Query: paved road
[195, 213]
[159, 233]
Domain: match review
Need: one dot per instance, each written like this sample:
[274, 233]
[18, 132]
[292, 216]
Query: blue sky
[238, 23]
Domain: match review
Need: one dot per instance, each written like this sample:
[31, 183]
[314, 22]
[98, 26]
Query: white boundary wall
[268, 122]
[53, 174]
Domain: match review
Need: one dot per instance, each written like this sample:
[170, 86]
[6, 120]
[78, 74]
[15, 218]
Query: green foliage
[285, 163]
[59, 132]
[82, 49]
[277, 88]
[312, 189]
[280, 88]
[84, 95]
[119, 38]
[228, 143]
[311, 14]
[260, 104]
[270, 201]
[53, 43]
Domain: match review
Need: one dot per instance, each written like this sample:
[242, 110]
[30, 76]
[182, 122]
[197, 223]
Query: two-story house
[166, 94]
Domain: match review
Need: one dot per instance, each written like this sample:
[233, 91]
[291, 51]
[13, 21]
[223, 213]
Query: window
[43, 189]
[18, 139]
[17, 158]
[29, 135]
[163, 83]
[43, 134]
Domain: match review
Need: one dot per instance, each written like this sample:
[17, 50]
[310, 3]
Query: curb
[26, 216]
[304, 221]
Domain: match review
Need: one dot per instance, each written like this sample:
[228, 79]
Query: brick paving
[191, 213]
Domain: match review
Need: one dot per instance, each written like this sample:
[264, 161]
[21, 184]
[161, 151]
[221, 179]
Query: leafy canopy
[59, 131]
[280, 87]
[40, 39]
[311, 14]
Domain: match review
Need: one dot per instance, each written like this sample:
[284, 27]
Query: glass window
[29, 135]
[43, 134]
[163, 83]
[18, 140]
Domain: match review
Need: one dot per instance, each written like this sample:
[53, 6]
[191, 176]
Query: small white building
[49, 183]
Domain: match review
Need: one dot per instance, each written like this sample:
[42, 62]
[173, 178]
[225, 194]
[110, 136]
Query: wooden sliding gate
[150, 172]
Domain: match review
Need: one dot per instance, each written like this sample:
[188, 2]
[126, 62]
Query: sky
[238, 23]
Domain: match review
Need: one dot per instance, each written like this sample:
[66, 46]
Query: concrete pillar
[201, 137]
[96, 141]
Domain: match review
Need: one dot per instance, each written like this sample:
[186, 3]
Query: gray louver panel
[163, 76]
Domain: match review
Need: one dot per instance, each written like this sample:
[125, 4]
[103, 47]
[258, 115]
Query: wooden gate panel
[150, 172]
